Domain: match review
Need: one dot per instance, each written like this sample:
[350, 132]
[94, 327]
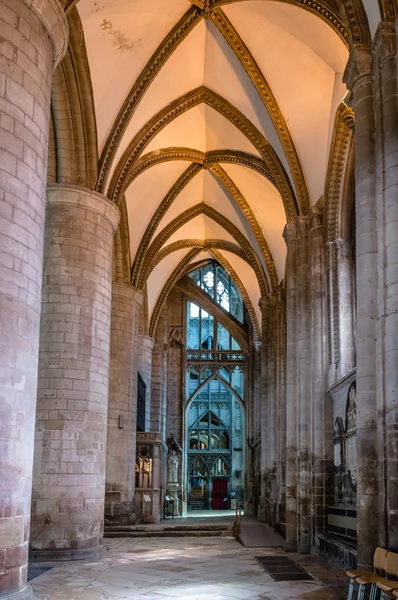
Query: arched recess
[198, 209]
[73, 113]
[221, 380]
[198, 296]
[214, 247]
[128, 161]
[340, 245]
[174, 277]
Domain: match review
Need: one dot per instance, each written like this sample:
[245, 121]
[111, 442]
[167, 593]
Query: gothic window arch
[214, 395]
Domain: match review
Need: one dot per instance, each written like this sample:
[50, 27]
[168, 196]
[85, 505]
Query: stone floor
[189, 569]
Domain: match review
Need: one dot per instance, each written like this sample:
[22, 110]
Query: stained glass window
[216, 282]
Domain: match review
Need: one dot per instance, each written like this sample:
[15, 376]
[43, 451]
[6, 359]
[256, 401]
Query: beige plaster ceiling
[279, 140]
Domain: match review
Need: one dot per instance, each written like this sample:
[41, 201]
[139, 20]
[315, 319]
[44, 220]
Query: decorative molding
[388, 9]
[342, 137]
[174, 277]
[176, 337]
[202, 244]
[230, 186]
[356, 22]
[237, 281]
[163, 52]
[360, 64]
[200, 95]
[185, 217]
[205, 159]
[253, 70]
[385, 43]
[161, 210]
[313, 6]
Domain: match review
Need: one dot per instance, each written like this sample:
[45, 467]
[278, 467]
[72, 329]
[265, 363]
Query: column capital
[147, 341]
[385, 42]
[360, 65]
[85, 199]
[52, 16]
[127, 291]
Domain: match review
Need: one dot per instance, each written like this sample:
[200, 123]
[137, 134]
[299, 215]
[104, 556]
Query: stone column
[144, 365]
[34, 36]
[264, 425]
[386, 112]
[341, 310]
[281, 406]
[303, 401]
[272, 390]
[321, 406]
[359, 78]
[72, 403]
[290, 235]
[122, 405]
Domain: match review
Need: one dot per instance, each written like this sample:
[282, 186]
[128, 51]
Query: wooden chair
[385, 584]
[379, 560]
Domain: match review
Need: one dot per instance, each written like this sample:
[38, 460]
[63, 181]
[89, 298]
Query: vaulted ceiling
[214, 122]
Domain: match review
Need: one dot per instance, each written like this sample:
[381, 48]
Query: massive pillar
[303, 400]
[290, 235]
[72, 403]
[144, 365]
[386, 113]
[359, 78]
[33, 40]
[321, 406]
[122, 406]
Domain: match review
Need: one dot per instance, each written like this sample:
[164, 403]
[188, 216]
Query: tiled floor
[184, 568]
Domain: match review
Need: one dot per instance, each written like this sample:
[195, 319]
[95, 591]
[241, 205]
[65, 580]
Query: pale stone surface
[189, 569]
[31, 38]
[71, 424]
[122, 406]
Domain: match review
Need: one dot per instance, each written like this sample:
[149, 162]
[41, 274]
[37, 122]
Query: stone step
[150, 528]
[165, 533]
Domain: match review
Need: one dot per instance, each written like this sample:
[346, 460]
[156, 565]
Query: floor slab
[184, 568]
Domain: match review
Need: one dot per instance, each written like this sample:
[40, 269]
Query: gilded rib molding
[388, 9]
[313, 6]
[342, 136]
[241, 201]
[202, 244]
[151, 69]
[201, 158]
[253, 70]
[174, 277]
[127, 162]
[161, 210]
[234, 276]
[190, 214]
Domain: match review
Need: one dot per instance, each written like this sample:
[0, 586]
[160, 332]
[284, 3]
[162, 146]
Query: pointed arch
[241, 50]
[190, 214]
[198, 96]
[174, 277]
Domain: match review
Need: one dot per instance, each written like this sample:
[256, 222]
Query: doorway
[219, 494]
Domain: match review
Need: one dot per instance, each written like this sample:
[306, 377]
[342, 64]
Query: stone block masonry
[72, 402]
[33, 38]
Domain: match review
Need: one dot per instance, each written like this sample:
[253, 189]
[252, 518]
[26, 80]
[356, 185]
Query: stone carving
[173, 467]
[176, 337]
[351, 415]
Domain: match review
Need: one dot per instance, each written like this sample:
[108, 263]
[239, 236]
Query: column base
[121, 513]
[66, 555]
[25, 594]
[304, 549]
[290, 547]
